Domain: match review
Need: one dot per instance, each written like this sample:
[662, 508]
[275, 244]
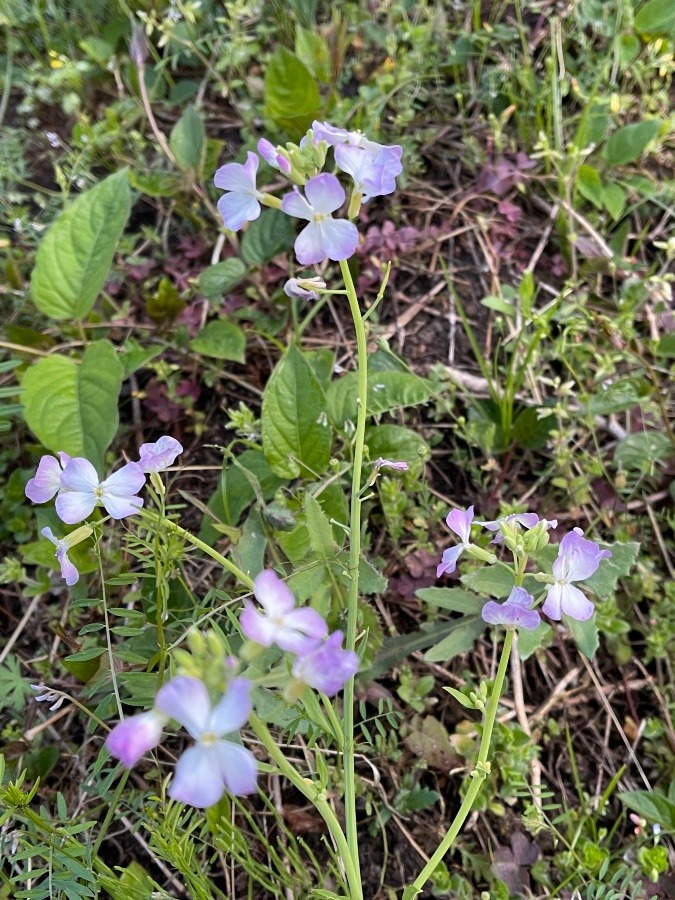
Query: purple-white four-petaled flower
[204, 771]
[515, 610]
[160, 455]
[577, 560]
[242, 202]
[280, 623]
[81, 491]
[324, 237]
[328, 666]
[459, 522]
[372, 178]
[387, 156]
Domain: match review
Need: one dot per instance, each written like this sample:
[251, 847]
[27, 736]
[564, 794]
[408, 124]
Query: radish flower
[577, 560]
[280, 623]
[81, 491]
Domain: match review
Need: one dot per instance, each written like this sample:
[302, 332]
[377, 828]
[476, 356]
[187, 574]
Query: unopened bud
[138, 45]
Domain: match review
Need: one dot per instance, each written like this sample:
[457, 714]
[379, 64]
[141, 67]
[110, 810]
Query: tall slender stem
[317, 798]
[354, 556]
[479, 774]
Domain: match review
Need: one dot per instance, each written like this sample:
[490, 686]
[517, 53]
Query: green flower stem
[317, 797]
[354, 556]
[223, 560]
[479, 774]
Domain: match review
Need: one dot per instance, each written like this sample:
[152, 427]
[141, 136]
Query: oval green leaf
[74, 257]
[221, 340]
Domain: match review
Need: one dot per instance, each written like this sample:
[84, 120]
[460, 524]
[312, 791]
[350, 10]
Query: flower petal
[160, 455]
[324, 193]
[308, 245]
[294, 204]
[324, 131]
[448, 562]
[339, 238]
[576, 604]
[257, 627]
[187, 701]
[79, 475]
[75, 506]
[238, 209]
[460, 521]
[578, 558]
[124, 482]
[196, 778]
[68, 571]
[237, 767]
[131, 739]
[272, 593]
[46, 482]
[49, 534]
[121, 507]
[233, 710]
[302, 631]
[553, 603]
[237, 177]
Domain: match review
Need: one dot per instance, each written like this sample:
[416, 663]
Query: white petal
[237, 767]
[187, 701]
[196, 779]
[233, 710]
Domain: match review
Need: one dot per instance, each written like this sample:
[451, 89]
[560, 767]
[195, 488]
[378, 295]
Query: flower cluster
[320, 661]
[372, 167]
[215, 762]
[578, 559]
[75, 484]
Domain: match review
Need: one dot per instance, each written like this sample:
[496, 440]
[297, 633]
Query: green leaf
[187, 140]
[319, 528]
[73, 407]
[215, 281]
[292, 98]
[249, 552]
[585, 634]
[322, 362]
[296, 436]
[370, 580]
[454, 599]
[589, 185]
[220, 340]
[639, 451]
[134, 357]
[156, 184]
[75, 254]
[628, 143]
[530, 430]
[652, 805]
[396, 649]
[657, 17]
[618, 396]
[387, 390]
[397, 443]
[603, 581]
[267, 236]
[628, 48]
[529, 641]
[614, 200]
[460, 640]
[666, 346]
[491, 580]
[311, 47]
[460, 698]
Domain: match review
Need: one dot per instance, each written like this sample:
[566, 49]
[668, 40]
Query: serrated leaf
[585, 634]
[220, 340]
[651, 805]
[603, 581]
[628, 143]
[73, 407]
[454, 599]
[215, 281]
[267, 236]
[296, 436]
[460, 640]
[491, 580]
[387, 390]
[292, 98]
[656, 17]
[187, 140]
[75, 254]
